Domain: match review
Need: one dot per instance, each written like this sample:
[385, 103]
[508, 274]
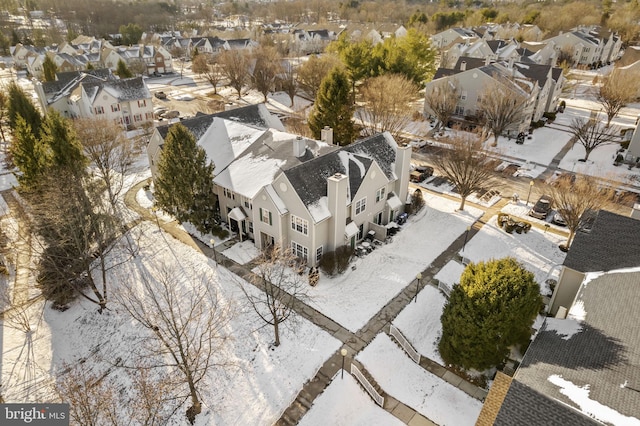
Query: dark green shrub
[328, 263]
[343, 257]
[551, 116]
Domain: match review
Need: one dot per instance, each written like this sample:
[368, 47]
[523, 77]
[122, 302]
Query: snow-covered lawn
[426, 311]
[421, 390]
[344, 403]
[242, 253]
[260, 382]
[352, 298]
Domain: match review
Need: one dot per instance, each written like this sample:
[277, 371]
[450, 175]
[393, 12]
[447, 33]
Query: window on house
[115, 107]
[300, 225]
[142, 103]
[228, 193]
[299, 250]
[265, 216]
[318, 253]
[361, 205]
[380, 194]
[463, 95]
[148, 115]
[377, 219]
[459, 110]
[99, 110]
[360, 232]
[248, 205]
[137, 117]
[250, 227]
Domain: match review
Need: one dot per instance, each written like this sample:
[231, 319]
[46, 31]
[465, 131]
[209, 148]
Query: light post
[529, 194]
[213, 247]
[466, 235]
[418, 278]
[343, 352]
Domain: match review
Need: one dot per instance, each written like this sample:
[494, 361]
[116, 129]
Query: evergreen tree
[492, 308]
[184, 184]
[64, 149]
[334, 108]
[122, 71]
[49, 69]
[28, 154]
[20, 105]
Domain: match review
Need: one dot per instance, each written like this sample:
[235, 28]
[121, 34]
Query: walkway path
[353, 342]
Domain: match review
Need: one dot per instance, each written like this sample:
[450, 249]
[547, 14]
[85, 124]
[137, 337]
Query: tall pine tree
[28, 153]
[334, 108]
[49, 68]
[64, 149]
[122, 70]
[492, 308]
[20, 105]
[184, 183]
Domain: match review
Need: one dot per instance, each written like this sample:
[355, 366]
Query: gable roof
[128, 89]
[255, 115]
[613, 243]
[525, 406]
[309, 179]
[591, 360]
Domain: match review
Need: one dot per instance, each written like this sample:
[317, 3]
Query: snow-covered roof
[592, 363]
[128, 89]
[309, 179]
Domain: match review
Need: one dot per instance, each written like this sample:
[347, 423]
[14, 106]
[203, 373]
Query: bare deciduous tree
[235, 67]
[312, 72]
[441, 99]
[208, 69]
[279, 277]
[386, 102]
[289, 80]
[501, 107]
[109, 151]
[572, 199]
[266, 69]
[465, 164]
[615, 92]
[187, 322]
[93, 398]
[592, 133]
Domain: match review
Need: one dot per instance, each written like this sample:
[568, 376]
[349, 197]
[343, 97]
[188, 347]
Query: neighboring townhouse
[209, 45]
[582, 370]
[473, 76]
[493, 50]
[446, 38]
[156, 59]
[97, 93]
[312, 41]
[587, 46]
[275, 187]
[21, 54]
[610, 242]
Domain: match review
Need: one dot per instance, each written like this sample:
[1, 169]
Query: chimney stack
[463, 66]
[326, 135]
[299, 147]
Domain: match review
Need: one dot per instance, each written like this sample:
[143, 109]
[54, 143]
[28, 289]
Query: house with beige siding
[274, 187]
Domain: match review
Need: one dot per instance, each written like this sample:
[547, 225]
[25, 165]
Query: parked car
[542, 207]
[158, 112]
[160, 95]
[558, 219]
[421, 173]
[171, 114]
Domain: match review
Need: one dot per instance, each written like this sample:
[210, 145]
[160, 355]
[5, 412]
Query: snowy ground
[406, 381]
[262, 381]
[352, 298]
[344, 403]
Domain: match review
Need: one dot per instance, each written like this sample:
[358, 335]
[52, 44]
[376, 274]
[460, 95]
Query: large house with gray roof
[611, 241]
[98, 94]
[278, 188]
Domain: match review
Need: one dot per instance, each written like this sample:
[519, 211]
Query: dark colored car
[542, 207]
[160, 95]
[421, 173]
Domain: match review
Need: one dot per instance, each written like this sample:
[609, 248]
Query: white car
[184, 97]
